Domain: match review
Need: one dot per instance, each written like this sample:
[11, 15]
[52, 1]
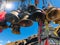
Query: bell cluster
[25, 18]
[33, 40]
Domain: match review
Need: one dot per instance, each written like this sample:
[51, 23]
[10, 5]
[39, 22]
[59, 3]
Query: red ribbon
[40, 24]
[0, 30]
[46, 42]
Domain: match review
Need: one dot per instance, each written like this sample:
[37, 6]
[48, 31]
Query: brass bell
[57, 21]
[12, 17]
[15, 29]
[25, 22]
[36, 14]
[3, 25]
[53, 14]
[31, 8]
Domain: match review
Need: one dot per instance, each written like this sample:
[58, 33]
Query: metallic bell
[37, 15]
[53, 14]
[12, 16]
[57, 21]
[24, 21]
[3, 25]
[31, 8]
[16, 29]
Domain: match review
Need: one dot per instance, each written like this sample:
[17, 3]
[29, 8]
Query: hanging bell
[15, 29]
[53, 14]
[57, 19]
[25, 22]
[36, 14]
[12, 17]
[3, 25]
[31, 8]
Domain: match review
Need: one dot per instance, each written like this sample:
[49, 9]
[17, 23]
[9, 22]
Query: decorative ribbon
[46, 42]
[40, 24]
[0, 30]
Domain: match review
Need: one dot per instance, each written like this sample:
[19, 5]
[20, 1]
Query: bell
[3, 25]
[15, 29]
[12, 17]
[25, 22]
[37, 15]
[53, 14]
[31, 8]
[57, 21]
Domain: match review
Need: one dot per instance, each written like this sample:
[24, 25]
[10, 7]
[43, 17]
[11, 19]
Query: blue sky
[7, 36]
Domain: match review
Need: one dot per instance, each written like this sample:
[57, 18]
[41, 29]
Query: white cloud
[0, 44]
[1, 41]
[8, 41]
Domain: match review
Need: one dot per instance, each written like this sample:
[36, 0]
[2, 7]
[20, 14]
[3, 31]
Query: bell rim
[47, 13]
[24, 20]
